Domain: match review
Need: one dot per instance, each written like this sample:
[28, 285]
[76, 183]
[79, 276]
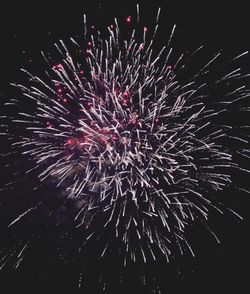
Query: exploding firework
[136, 146]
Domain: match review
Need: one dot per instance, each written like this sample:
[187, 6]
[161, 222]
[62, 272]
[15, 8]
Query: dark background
[26, 29]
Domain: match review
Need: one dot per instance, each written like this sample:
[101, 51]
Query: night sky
[26, 29]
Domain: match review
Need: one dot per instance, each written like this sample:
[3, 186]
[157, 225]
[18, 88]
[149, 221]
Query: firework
[136, 146]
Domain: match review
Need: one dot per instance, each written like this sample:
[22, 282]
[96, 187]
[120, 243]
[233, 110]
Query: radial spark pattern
[136, 147]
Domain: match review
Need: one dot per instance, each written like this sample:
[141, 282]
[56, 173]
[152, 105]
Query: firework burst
[137, 148]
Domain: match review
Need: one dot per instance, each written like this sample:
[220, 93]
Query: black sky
[26, 29]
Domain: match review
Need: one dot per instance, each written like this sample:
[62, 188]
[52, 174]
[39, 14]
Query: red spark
[141, 46]
[126, 94]
[58, 66]
[125, 99]
[89, 104]
[125, 102]
[128, 19]
[48, 124]
[114, 137]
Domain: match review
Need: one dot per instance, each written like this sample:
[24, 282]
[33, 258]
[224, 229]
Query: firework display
[135, 144]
